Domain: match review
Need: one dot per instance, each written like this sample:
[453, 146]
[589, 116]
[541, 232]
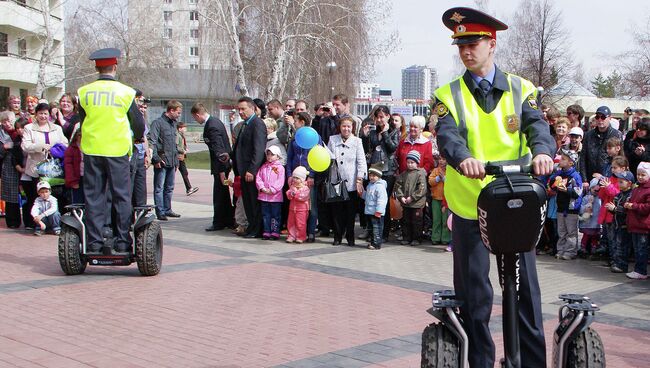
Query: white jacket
[34, 144]
[350, 159]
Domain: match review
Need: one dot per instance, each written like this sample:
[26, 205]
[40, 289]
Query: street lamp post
[331, 67]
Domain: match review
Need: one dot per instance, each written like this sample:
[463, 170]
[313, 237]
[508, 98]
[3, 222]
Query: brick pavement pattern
[226, 302]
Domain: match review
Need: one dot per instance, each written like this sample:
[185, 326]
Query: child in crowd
[621, 246]
[410, 190]
[73, 163]
[566, 183]
[638, 221]
[270, 181]
[181, 146]
[614, 149]
[46, 210]
[439, 230]
[608, 190]
[240, 214]
[588, 225]
[298, 195]
[376, 199]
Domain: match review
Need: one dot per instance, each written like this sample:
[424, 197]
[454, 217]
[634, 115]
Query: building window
[4, 96]
[23, 98]
[22, 48]
[194, 2]
[194, 66]
[4, 44]
[167, 15]
[168, 1]
[167, 33]
[167, 66]
[194, 33]
[168, 51]
[194, 51]
[194, 15]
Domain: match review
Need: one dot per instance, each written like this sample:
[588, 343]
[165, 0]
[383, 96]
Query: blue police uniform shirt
[489, 77]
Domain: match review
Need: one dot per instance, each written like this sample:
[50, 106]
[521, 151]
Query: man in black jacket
[594, 145]
[248, 156]
[216, 138]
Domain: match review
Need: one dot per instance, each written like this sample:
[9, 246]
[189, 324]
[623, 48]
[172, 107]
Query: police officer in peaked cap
[488, 115]
[110, 121]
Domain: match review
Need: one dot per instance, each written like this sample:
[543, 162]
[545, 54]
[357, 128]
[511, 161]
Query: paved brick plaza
[222, 301]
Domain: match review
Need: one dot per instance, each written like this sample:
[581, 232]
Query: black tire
[440, 348]
[69, 252]
[149, 249]
[586, 351]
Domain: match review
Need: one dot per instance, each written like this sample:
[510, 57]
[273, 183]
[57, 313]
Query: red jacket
[72, 165]
[423, 146]
[606, 195]
[638, 217]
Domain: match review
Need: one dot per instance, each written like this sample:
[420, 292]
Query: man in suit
[248, 156]
[216, 138]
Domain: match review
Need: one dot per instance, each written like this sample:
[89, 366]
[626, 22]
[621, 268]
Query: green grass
[198, 160]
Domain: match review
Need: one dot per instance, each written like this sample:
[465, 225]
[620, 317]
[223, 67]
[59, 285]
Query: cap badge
[461, 28]
[441, 110]
[456, 17]
[532, 102]
[512, 123]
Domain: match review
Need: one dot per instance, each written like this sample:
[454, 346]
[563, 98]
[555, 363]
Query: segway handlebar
[492, 169]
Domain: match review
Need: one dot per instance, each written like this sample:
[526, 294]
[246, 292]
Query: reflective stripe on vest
[493, 142]
[106, 130]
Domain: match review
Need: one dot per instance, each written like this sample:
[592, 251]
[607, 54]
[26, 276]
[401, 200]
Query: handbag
[51, 170]
[334, 191]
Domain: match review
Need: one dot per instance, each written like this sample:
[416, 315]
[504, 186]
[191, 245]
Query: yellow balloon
[318, 158]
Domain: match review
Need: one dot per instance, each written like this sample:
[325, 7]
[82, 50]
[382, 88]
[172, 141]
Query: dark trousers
[621, 248]
[376, 226]
[185, 175]
[271, 217]
[343, 214]
[29, 187]
[139, 181]
[252, 208]
[76, 195]
[473, 288]
[412, 223]
[223, 212]
[388, 222]
[102, 175]
[12, 215]
[640, 244]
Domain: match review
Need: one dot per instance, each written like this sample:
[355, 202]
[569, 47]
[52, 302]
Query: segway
[514, 200]
[146, 250]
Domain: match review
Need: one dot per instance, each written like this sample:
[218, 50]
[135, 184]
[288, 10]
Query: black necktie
[484, 85]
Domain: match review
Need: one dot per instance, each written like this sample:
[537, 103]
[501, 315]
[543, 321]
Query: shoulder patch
[532, 102]
[441, 110]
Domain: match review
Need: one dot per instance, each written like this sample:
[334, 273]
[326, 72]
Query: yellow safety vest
[495, 137]
[106, 130]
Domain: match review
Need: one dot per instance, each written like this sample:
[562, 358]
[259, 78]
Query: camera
[291, 112]
[326, 109]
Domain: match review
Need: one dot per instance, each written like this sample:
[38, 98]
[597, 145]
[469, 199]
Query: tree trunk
[233, 33]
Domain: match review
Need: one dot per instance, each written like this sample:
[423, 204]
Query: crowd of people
[391, 172]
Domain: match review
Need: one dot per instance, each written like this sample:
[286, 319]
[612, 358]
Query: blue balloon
[306, 137]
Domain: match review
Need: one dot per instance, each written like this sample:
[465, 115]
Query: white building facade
[419, 82]
[22, 38]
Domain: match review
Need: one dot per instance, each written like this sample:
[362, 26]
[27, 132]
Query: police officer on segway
[484, 116]
[110, 121]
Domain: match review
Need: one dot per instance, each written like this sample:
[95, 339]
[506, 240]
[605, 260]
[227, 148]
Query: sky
[599, 30]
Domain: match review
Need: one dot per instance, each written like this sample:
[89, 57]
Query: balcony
[25, 70]
[25, 18]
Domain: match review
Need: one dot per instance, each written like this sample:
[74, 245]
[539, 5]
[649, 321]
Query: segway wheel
[69, 252]
[440, 348]
[586, 351]
[149, 249]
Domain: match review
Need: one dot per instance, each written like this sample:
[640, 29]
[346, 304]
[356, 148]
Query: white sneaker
[636, 276]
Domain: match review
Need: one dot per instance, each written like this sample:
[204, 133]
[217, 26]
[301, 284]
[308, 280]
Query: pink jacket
[298, 198]
[270, 176]
[607, 195]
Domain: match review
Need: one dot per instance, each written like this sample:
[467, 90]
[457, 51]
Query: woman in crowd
[638, 150]
[400, 125]
[383, 140]
[273, 140]
[67, 116]
[32, 101]
[575, 113]
[297, 156]
[350, 161]
[562, 127]
[38, 138]
[9, 176]
[415, 141]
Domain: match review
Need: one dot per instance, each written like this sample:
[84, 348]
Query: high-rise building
[419, 82]
[367, 90]
[23, 33]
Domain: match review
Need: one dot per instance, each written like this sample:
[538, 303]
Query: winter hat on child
[625, 175]
[300, 172]
[274, 150]
[413, 155]
[572, 155]
[645, 167]
[43, 185]
[594, 182]
[374, 169]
